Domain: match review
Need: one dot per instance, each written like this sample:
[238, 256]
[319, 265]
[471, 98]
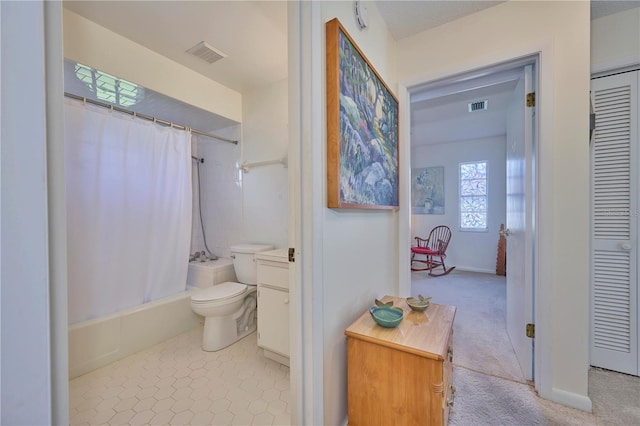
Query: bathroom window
[107, 87]
[473, 203]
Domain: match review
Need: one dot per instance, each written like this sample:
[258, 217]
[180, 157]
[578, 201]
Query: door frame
[404, 95]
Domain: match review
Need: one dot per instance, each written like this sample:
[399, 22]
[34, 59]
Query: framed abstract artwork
[427, 190]
[362, 128]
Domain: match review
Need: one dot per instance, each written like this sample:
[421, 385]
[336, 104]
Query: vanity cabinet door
[273, 320]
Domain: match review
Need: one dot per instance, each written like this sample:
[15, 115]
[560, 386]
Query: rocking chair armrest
[422, 242]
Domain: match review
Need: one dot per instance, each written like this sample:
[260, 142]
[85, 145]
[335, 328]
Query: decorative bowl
[381, 304]
[386, 316]
[418, 304]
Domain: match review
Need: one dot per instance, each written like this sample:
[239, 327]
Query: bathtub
[101, 341]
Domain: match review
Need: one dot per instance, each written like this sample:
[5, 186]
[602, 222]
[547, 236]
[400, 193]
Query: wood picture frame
[362, 128]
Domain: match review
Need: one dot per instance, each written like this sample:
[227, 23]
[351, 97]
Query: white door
[614, 223]
[520, 222]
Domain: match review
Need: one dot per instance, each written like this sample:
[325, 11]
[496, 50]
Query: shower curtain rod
[148, 117]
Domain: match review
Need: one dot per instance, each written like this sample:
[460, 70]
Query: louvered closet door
[614, 239]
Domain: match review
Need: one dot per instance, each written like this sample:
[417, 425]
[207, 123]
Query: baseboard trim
[570, 399]
[472, 269]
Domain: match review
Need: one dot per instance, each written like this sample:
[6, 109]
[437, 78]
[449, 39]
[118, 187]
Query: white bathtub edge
[98, 342]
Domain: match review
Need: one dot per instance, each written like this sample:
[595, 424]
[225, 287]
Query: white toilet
[229, 308]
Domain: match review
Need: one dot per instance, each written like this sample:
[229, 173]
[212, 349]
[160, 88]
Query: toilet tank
[244, 261]
[209, 273]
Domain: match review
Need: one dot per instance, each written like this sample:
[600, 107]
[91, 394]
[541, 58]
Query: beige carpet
[615, 397]
[490, 387]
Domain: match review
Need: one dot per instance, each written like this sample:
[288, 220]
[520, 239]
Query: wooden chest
[401, 375]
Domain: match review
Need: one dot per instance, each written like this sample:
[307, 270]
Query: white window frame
[460, 227]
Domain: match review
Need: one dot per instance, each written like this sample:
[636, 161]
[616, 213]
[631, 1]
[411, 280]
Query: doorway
[482, 117]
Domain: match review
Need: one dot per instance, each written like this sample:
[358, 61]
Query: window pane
[473, 220]
[473, 187]
[473, 196]
[473, 171]
[109, 88]
[473, 204]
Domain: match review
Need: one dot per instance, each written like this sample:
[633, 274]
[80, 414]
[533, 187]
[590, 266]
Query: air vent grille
[478, 105]
[206, 52]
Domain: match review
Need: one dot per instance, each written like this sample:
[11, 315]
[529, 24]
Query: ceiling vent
[478, 106]
[206, 52]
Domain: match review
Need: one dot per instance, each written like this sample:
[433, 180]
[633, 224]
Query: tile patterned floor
[177, 383]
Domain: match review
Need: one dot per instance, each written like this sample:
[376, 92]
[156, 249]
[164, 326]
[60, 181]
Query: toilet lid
[218, 292]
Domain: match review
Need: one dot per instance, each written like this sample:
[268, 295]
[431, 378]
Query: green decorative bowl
[386, 316]
[418, 304]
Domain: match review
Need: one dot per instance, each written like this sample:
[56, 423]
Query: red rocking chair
[434, 250]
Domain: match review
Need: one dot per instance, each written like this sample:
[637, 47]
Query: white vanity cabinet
[273, 304]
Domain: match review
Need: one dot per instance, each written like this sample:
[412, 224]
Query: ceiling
[447, 118]
[253, 35]
[406, 18]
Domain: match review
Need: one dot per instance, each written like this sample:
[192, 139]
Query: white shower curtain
[128, 210]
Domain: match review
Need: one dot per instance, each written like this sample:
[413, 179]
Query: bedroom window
[473, 196]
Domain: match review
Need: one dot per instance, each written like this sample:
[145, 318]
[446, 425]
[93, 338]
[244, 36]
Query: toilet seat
[219, 292]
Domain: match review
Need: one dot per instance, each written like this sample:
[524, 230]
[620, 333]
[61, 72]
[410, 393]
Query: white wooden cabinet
[273, 304]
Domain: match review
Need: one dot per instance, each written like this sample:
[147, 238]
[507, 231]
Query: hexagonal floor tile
[176, 382]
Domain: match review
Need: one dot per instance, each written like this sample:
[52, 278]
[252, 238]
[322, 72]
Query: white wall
[221, 193]
[470, 251]
[615, 40]
[359, 247]
[562, 37]
[245, 207]
[56, 195]
[25, 346]
[93, 45]
[265, 138]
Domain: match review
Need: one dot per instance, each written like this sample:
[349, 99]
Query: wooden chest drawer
[447, 379]
[403, 375]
